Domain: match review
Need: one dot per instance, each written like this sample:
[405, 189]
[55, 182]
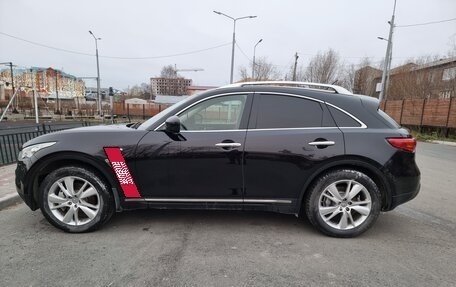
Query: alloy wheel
[344, 204]
[73, 200]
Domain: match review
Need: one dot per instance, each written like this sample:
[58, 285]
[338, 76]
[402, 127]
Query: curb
[9, 199]
[443, 142]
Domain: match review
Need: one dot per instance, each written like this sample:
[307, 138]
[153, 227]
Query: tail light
[406, 144]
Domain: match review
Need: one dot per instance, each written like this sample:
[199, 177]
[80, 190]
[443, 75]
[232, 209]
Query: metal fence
[12, 138]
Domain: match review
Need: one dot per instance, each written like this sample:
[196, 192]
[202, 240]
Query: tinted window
[221, 113]
[392, 122]
[287, 112]
[342, 119]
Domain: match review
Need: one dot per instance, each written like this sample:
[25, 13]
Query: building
[48, 83]
[364, 83]
[169, 86]
[435, 80]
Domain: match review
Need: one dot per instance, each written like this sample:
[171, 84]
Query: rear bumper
[402, 197]
[404, 179]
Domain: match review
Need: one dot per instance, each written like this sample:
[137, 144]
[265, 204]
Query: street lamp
[98, 74]
[253, 64]
[234, 38]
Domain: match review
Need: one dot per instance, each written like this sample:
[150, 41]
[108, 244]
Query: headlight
[27, 152]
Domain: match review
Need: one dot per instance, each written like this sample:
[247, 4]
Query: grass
[433, 136]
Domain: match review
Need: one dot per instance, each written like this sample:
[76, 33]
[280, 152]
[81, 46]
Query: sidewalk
[444, 142]
[8, 194]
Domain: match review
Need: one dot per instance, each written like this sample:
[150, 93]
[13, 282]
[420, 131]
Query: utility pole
[35, 100]
[387, 63]
[295, 66]
[12, 84]
[57, 93]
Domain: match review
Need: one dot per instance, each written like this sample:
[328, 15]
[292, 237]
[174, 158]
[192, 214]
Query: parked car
[288, 147]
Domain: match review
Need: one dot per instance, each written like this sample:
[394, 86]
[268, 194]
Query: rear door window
[277, 111]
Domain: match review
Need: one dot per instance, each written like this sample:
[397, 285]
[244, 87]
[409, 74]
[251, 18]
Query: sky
[190, 35]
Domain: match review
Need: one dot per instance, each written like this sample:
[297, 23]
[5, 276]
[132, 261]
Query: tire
[75, 199]
[337, 213]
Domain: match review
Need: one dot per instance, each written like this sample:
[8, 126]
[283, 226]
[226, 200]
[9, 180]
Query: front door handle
[228, 145]
[322, 143]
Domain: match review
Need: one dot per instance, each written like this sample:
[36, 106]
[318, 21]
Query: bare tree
[347, 78]
[142, 91]
[413, 80]
[324, 68]
[300, 73]
[169, 72]
[264, 71]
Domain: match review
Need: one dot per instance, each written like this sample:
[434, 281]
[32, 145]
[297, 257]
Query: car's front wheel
[75, 199]
[343, 203]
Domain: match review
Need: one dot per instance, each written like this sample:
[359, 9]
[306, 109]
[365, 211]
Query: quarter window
[221, 113]
[287, 112]
[342, 119]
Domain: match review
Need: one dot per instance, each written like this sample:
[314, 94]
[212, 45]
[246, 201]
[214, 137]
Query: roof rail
[305, 85]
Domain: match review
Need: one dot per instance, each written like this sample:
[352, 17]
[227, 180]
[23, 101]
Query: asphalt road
[413, 245]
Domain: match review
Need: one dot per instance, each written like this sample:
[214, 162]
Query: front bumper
[22, 184]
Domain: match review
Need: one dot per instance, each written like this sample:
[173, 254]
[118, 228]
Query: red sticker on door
[122, 172]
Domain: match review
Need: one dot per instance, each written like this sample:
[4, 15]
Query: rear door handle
[230, 145]
[322, 143]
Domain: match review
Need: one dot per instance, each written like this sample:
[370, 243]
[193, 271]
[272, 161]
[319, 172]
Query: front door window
[220, 113]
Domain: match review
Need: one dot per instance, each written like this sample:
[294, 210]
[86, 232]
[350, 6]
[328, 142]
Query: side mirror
[172, 125]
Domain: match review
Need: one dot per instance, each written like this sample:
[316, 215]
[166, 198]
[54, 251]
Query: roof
[40, 69]
[165, 99]
[302, 85]
[202, 88]
[437, 63]
[135, 101]
[415, 67]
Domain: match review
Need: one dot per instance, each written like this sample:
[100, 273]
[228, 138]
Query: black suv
[288, 147]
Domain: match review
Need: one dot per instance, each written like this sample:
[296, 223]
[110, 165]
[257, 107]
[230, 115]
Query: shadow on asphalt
[387, 224]
[144, 218]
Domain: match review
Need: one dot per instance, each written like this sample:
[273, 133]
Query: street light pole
[253, 64]
[387, 62]
[100, 106]
[234, 38]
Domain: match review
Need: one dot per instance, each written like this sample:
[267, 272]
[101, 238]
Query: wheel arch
[51, 162]
[361, 164]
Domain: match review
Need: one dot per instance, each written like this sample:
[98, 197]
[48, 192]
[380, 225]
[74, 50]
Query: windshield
[176, 107]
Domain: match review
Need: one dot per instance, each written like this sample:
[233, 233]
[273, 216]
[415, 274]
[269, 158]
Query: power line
[426, 23]
[45, 46]
[115, 57]
[245, 55]
[167, 56]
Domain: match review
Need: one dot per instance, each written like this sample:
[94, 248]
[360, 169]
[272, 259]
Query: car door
[204, 163]
[288, 137]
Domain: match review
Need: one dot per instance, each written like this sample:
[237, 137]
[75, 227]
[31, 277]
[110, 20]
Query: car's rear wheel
[343, 203]
[75, 199]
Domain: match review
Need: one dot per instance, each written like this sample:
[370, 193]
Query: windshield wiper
[134, 125]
